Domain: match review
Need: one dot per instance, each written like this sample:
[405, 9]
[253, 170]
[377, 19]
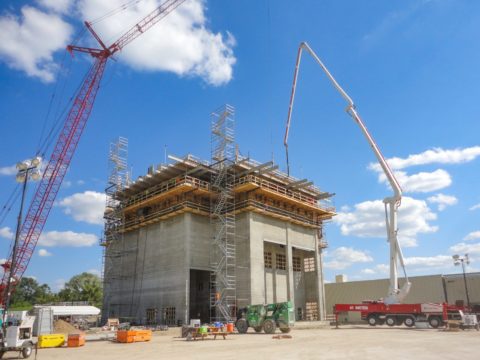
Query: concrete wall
[242, 243]
[153, 265]
[277, 285]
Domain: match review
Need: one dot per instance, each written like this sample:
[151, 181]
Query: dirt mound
[63, 327]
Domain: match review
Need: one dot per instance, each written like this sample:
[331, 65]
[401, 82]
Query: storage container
[76, 340]
[126, 336]
[143, 335]
[51, 340]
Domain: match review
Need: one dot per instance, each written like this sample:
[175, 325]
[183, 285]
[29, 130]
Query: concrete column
[289, 256]
[320, 286]
[257, 266]
[188, 239]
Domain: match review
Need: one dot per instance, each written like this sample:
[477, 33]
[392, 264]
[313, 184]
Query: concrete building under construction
[200, 239]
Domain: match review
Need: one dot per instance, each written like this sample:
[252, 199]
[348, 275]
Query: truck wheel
[391, 320]
[257, 329]
[27, 350]
[409, 321]
[242, 326]
[372, 320]
[434, 322]
[269, 326]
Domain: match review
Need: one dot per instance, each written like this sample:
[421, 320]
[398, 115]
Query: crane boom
[66, 145]
[395, 295]
[146, 23]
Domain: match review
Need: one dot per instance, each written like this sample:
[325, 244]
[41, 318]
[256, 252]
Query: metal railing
[158, 214]
[294, 195]
[164, 187]
[278, 211]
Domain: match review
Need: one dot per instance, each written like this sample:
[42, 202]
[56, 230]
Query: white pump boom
[395, 295]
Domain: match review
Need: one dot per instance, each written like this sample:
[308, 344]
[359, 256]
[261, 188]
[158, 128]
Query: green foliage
[29, 292]
[83, 287]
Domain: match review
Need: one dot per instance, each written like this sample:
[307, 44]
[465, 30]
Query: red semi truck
[379, 313]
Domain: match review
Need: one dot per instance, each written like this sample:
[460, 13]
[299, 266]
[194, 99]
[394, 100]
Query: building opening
[200, 295]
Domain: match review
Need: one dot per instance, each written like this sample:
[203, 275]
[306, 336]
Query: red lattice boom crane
[66, 144]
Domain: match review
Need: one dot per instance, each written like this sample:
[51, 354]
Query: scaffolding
[222, 214]
[118, 178]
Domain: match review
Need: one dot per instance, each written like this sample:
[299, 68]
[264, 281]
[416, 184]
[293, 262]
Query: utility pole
[457, 260]
[26, 169]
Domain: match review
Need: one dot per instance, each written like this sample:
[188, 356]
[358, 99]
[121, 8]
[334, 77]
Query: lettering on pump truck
[428, 307]
[358, 307]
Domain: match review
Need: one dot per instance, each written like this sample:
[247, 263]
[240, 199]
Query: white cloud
[180, 43]
[422, 181]
[344, 257]
[380, 269]
[426, 181]
[6, 233]
[60, 6]
[44, 253]
[94, 272]
[464, 248]
[472, 236]
[368, 271]
[27, 43]
[433, 156]
[443, 201]
[87, 206]
[67, 238]
[8, 170]
[438, 261]
[475, 207]
[368, 220]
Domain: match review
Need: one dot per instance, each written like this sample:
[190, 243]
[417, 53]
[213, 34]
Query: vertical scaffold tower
[113, 216]
[223, 279]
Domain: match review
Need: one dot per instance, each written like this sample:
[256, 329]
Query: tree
[29, 292]
[83, 287]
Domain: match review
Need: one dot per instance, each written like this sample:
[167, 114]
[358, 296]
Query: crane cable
[12, 199]
[46, 140]
[115, 11]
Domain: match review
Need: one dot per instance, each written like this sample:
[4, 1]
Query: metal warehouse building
[431, 288]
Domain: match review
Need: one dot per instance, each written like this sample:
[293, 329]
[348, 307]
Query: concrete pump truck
[391, 310]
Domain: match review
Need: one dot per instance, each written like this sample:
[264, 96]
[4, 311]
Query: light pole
[457, 260]
[26, 169]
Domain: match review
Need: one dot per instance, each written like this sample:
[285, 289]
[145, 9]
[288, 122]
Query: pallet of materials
[51, 340]
[129, 336]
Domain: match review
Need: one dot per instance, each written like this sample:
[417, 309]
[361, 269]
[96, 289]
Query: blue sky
[410, 66]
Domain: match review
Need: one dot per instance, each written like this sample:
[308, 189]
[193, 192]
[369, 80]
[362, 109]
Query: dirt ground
[348, 342]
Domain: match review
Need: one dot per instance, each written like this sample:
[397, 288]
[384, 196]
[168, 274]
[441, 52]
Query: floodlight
[36, 161]
[36, 175]
[456, 257]
[23, 165]
[20, 177]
